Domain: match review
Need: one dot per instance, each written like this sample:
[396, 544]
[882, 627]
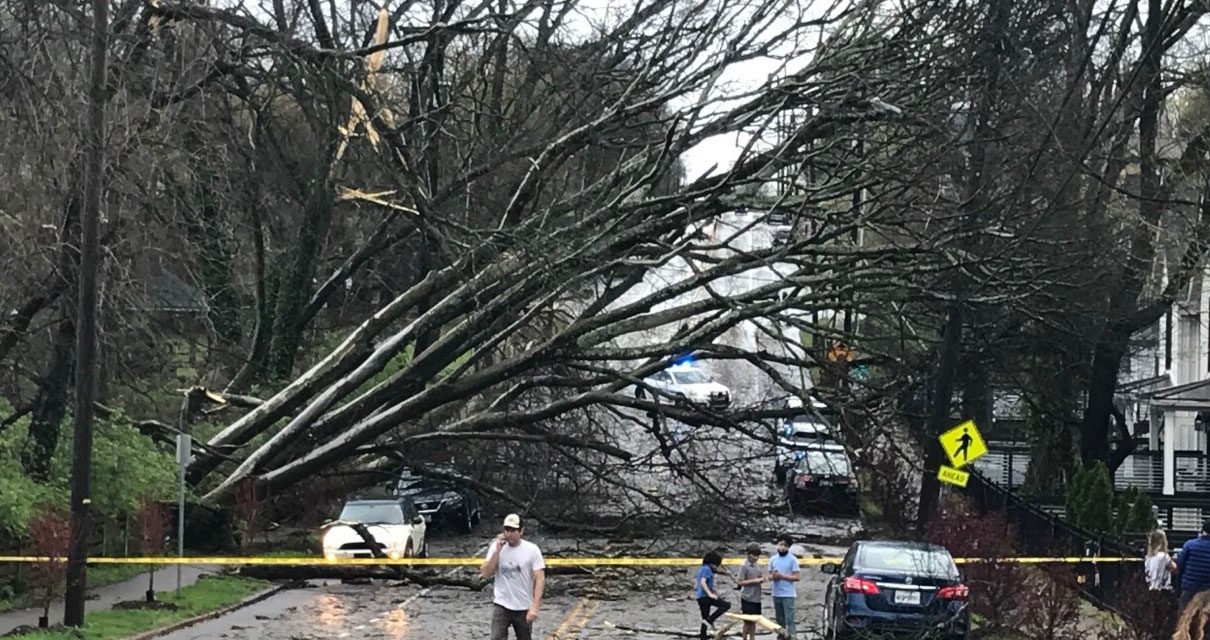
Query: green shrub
[1091, 504]
[126, 467]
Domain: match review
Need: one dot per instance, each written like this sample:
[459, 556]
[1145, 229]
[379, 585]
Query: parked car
[778, 217]
[892, 587]
[394, 525]
[686, 382]
[823, 477]
[798, 433]
[442, 504]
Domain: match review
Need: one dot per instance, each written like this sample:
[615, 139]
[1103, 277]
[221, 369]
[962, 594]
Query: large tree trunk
[50, 405]
[1094, 432]
[297, 281]
[266, 295]
[1115, 334]
[939, 417]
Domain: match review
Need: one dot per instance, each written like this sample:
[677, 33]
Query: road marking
[557, 634]
[577, 617]
[592, 610]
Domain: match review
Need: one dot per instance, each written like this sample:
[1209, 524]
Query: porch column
[1154, 416]
[1170, 429]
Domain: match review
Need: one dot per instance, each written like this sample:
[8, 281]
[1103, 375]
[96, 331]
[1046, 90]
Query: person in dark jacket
[1193, 565]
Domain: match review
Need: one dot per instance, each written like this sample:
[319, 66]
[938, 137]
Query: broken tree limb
[300, 391]
[320, 571]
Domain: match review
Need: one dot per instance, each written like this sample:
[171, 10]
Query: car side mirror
[418, 520]
[830, 567]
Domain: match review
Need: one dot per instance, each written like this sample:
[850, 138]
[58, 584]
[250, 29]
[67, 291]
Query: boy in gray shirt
[750, 579]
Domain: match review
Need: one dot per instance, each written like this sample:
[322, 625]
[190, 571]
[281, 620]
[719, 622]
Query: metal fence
[1006, 464]
[1042, 533]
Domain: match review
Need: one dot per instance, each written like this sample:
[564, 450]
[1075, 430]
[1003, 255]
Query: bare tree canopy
[478, 229]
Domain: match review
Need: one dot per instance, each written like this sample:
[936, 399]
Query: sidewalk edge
[218, 613]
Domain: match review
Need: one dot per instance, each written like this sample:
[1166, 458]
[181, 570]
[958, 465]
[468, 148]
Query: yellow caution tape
[550, 562]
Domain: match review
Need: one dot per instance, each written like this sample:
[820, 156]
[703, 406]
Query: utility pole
[86, 324]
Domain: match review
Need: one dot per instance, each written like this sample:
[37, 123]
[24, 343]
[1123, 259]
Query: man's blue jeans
[783, 609]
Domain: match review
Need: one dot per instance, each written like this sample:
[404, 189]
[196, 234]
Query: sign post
[184, 443]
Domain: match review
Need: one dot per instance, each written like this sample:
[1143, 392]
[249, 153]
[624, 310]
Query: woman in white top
[1159, 566]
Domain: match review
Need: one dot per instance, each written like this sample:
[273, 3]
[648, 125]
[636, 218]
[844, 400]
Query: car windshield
[915, 561]
[826, 463]
[689, 376]
[373, 513]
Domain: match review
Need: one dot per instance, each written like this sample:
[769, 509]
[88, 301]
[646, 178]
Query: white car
[393, 523]
[687, 382]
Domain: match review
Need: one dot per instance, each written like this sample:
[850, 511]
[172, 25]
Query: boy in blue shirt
[784, 572]
[706, 594]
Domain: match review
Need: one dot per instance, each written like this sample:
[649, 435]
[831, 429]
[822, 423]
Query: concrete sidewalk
[102, 598]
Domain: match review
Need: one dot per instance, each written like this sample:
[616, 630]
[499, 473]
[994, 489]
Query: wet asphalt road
[643, 604]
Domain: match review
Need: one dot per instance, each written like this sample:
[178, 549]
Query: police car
[797, 434]
[684, 381]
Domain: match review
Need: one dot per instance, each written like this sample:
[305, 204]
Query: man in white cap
[520, 575]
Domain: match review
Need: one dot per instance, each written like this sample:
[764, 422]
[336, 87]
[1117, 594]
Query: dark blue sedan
[890, 588]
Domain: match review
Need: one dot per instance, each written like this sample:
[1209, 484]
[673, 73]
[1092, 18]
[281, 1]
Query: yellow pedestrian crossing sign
[963, 444]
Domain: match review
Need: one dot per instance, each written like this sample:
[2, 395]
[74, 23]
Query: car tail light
[860, 585]
[956, 592]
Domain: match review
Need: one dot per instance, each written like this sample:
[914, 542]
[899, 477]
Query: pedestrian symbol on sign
[964, 447]
[963, 444]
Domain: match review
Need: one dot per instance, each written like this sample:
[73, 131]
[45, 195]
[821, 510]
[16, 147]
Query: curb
[205, 617]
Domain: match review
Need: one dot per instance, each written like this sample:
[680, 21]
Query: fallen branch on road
[358, 572]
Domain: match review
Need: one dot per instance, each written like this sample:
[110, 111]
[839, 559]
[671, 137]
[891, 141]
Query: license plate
[907, 597]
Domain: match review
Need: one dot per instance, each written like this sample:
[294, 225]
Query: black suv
[443, 504]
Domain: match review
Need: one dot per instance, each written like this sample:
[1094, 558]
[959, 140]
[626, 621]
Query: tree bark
[1115, 333]
[296, 284]
[939, 418]
[50, 404]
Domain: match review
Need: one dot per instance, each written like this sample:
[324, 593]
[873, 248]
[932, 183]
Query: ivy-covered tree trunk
[297, 282]
[50, 404]
[209, 232]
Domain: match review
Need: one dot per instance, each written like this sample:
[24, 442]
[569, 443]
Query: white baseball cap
[512, 521]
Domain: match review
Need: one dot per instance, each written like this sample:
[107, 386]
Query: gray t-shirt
[514, 586]
[747, 571]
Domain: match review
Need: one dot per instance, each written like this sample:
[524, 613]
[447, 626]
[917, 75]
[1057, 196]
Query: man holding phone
[520, 574]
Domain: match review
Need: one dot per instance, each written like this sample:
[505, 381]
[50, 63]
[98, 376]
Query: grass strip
[210, 593]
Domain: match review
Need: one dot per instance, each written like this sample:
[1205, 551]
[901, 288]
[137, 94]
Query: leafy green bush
[127, 466]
